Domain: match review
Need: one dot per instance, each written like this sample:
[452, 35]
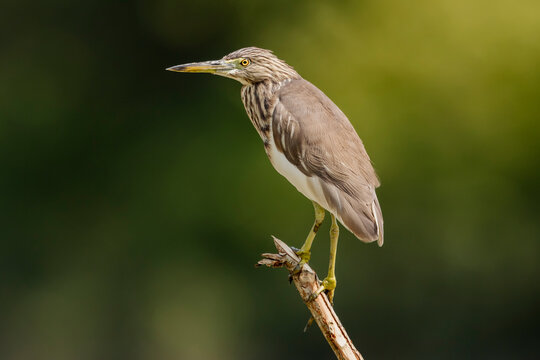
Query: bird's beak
[218, 67]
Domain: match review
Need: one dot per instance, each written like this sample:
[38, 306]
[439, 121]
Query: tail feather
[378, 220]
[362, 215]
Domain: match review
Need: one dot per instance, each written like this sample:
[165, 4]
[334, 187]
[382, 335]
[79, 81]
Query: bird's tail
[363, 218]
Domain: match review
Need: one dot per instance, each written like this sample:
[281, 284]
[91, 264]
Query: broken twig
[307, 282]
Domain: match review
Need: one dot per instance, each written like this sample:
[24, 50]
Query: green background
[134, 201]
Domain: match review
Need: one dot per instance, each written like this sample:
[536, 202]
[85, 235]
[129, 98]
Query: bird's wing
[315, 136]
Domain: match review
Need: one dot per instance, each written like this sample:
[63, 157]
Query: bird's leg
[329, 283]
[305, 251]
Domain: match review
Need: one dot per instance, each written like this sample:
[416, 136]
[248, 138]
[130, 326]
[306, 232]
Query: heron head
[248, 65]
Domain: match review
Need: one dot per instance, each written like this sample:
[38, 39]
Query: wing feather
[316, 137]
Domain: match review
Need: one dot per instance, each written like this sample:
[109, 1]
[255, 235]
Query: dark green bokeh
[134, 201]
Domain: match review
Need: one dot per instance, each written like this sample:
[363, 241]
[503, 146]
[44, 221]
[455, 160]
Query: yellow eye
[244, 62]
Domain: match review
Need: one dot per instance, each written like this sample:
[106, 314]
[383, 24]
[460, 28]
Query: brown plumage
[299, 123]
[316, 137]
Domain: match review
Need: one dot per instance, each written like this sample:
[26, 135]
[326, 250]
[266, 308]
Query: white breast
[310, 187]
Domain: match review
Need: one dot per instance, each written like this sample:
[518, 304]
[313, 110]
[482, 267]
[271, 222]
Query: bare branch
[307, 282]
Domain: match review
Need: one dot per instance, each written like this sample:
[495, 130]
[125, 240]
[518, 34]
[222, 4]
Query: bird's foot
[328, 286]
[304, 259]
[304, 256]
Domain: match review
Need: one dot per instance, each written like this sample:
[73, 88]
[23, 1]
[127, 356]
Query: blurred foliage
[134, 201]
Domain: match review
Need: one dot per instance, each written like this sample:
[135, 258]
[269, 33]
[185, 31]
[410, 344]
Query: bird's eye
[244, 62]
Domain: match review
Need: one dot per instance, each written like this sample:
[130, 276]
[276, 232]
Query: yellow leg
[305, 250]
[329, 283]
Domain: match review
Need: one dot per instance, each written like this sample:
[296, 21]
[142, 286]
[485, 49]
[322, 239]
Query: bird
[310, 142]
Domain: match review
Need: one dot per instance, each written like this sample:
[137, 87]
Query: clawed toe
[298, 268]
[328, 286]
[304, 259]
